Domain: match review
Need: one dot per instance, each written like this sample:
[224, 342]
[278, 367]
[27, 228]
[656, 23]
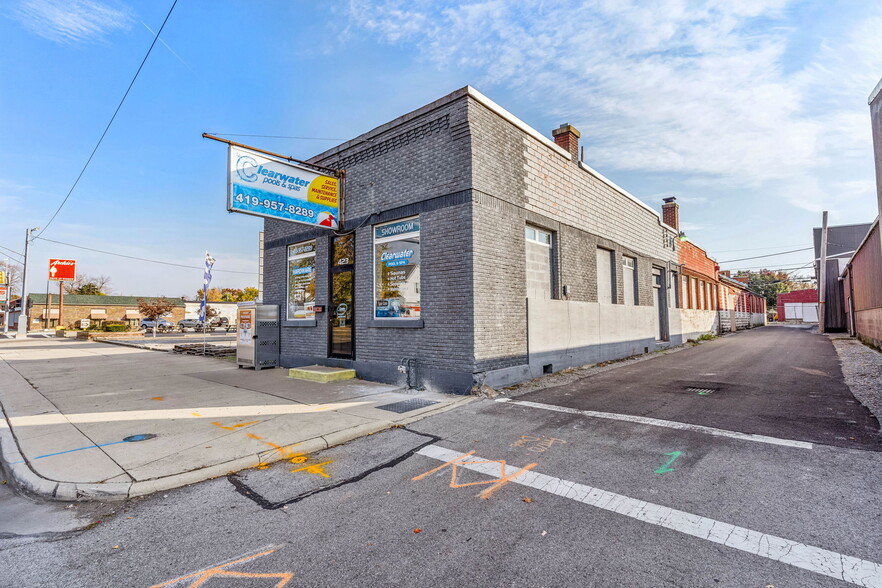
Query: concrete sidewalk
[88, 420]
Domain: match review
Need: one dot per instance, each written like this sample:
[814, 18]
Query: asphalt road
[602, 502]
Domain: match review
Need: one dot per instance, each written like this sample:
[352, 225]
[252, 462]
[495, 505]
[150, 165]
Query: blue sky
[753, 113]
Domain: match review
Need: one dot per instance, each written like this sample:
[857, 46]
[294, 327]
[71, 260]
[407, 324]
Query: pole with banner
[203, 308]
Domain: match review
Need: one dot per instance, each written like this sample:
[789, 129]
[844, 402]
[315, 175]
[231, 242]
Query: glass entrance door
[341, 314]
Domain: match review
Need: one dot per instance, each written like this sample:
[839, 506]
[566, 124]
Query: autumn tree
[155, 309]
[229, 294]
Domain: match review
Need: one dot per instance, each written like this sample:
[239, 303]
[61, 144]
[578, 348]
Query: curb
[26, 479]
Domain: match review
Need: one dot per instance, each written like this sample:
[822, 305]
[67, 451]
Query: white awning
[98, 313]
[132, 314]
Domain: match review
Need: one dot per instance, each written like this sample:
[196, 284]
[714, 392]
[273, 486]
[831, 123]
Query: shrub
[115, 327]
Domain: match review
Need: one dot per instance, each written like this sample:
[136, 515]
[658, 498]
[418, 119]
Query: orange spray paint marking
[196, 414]
[299, 458]
[496, 484]
[314, 469]
[158, 398]
[199, 578]
[253, 436]
[234, 427]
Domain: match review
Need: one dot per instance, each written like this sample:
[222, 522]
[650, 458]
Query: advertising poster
[261, 186]
[246, 329]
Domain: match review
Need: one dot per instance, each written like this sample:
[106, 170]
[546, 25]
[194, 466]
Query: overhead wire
[199, 267]
[112, 118]
[767, 255]
[12, 251]
[277, 137]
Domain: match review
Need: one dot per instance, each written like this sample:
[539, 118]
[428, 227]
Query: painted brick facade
[476, 176]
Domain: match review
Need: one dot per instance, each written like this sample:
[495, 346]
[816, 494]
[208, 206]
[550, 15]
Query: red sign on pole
[63, 270]
[4, 293]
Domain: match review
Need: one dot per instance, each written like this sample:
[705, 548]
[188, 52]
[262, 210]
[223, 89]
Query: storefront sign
[4, 293]
[270, 188]
[393, 229]
[63, 270]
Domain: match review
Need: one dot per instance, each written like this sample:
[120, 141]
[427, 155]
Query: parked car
[162, 325]
[195, 324]
[219, 321]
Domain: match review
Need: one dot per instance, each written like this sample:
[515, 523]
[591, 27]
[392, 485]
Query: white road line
[662, 423]
[807, 557]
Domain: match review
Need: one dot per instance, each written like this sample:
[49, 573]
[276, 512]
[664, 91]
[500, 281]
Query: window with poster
[397, 269]
[301, 280]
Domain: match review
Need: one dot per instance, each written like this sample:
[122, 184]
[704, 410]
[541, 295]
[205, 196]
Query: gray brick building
[474, 250]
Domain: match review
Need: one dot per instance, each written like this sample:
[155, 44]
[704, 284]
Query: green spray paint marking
[705, 393]
[674, 455]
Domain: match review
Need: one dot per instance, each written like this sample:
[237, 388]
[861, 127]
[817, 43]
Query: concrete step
[320, 373]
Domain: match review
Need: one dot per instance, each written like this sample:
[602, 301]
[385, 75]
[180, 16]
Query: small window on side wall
[540, 263]
[629, 280]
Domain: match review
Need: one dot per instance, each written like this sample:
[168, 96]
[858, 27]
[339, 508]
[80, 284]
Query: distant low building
[740, 307]
[798, 306]
[97, 309]
[224, 309]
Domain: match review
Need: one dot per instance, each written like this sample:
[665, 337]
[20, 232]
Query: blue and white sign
[399, 228]
[270, 188]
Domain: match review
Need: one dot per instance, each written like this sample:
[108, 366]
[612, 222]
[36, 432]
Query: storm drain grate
[702, 391]
[407, 405]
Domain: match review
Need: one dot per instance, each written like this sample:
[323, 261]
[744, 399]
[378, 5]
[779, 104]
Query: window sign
[301, 280]
[397, 269]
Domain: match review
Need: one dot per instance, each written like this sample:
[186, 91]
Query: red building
[802, 305]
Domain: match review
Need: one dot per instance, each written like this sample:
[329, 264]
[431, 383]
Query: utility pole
[8, 297]
[822, 278]
[23, 317]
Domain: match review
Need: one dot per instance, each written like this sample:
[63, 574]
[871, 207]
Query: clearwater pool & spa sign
[271, 188]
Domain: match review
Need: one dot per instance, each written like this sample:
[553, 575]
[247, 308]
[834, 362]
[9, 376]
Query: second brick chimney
[671, 212]
[567, 137]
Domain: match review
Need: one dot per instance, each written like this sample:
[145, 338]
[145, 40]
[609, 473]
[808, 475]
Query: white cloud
[72, 21]
[701, 89]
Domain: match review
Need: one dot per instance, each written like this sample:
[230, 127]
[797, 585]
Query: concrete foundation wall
[694, 323]
[868, 324]
[565, 333]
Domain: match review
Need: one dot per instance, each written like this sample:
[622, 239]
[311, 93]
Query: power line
[277, 137]
[768, 255]
[199, 267]
[759, 248]
[112, 118]
[12, 251]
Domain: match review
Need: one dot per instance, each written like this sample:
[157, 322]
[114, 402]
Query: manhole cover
[139, 437]
[407, 405]
[701, 391]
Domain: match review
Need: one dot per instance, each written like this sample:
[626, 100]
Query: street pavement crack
[246, 491]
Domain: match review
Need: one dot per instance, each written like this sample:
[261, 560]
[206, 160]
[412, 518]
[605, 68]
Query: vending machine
[257, 335]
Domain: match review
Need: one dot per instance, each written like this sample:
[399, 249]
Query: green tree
[770, 283]
[88, 285]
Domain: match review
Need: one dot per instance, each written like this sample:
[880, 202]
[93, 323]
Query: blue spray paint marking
[665, 468]
[130, 439]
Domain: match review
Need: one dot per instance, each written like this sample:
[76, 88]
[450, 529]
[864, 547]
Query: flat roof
[502, 113]
[875, 92]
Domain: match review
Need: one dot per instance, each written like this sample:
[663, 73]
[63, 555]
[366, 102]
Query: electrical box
[257, 335]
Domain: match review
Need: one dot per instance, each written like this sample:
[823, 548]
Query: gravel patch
[862, 368]
[573, 374]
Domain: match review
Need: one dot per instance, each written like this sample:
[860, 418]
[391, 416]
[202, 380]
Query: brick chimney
[671, 212]
[567, 137]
